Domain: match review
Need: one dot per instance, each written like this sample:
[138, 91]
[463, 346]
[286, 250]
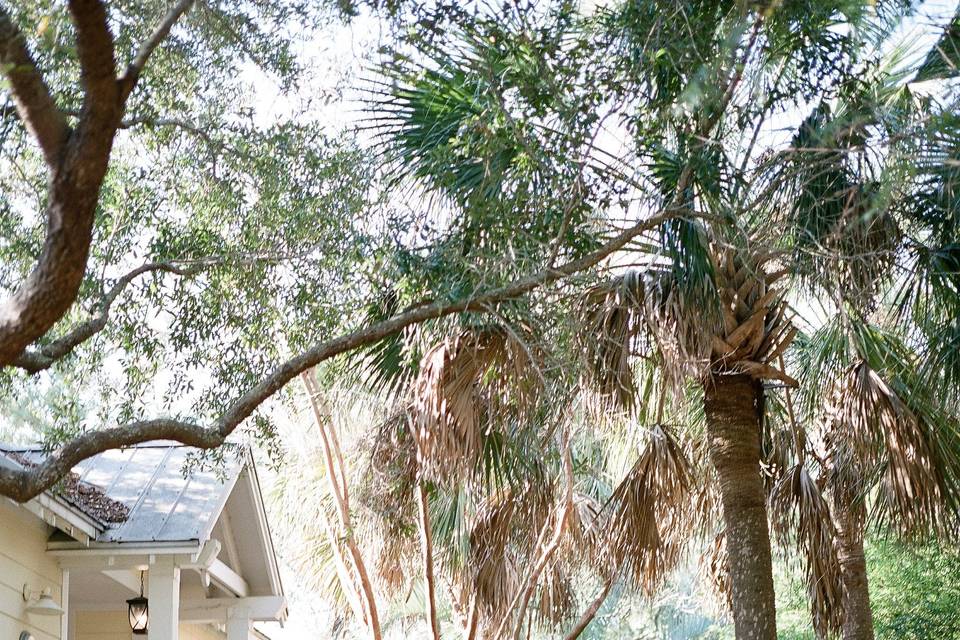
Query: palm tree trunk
[733, 406]
[857, 616]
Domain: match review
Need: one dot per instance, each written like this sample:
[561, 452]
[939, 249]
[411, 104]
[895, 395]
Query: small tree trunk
[426, 550]
[340, 492]
[590, 613]
[857, 616]
[733, 409]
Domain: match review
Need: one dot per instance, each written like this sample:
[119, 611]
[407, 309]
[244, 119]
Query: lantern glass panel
[139, 615]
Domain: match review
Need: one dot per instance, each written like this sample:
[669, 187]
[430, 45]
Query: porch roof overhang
[58, 512]
[173, 518]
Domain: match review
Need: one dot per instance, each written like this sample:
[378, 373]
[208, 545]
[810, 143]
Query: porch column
[65, 604]
[163, 590]
[238, 623]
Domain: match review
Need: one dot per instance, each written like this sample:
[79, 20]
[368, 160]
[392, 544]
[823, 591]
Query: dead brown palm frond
[636, 312]
[464, 382]
[800, 513]
[868, 426]
[579, 546]
[714, 567]
[746, 332]
[503, 539]
[385, 494]
[556, 601]
[706, 503]
[648, 514]
[608, 316]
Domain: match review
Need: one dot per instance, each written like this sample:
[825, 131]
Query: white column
[163, 591]
[238, 623]
[65, 604]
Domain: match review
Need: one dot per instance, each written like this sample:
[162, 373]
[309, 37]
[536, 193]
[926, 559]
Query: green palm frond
[943, 60]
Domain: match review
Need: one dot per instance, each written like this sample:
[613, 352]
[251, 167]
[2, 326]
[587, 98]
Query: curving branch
[22, 485]
[591, 612]
[77, 161]
[32, 98]
[34, 361]
[129, 79]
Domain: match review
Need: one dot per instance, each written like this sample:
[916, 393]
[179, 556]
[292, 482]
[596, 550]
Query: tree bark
[590, 612]
[426, 550]
[733, 406]
[340, 492]
[857, 615]
[24, 484]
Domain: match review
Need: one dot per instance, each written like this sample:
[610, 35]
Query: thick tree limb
[22, 485]
[76, 173]
[77, 168]
[31, 95]
[98, 68]
[34, 361]
[135, 68]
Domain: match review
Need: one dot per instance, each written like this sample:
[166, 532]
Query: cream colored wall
[100, 625]
[113, 625]
[23, 559]
[199, 632]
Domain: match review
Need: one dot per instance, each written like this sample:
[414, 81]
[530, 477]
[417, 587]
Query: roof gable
[165, 505]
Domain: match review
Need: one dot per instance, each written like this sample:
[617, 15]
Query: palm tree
[710, 302]
[444, 488]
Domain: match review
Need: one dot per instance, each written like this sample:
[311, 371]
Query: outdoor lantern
[139, 612]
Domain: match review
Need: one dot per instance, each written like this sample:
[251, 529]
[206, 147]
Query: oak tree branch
[34, 361]
[24, 484]
[31, 95]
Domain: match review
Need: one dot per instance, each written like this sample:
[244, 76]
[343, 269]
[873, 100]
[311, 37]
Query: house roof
[163, 504]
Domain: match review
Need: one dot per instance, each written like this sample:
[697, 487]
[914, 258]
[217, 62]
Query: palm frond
[463, 382]
[800, 513]
[872, 428]
[646, 521]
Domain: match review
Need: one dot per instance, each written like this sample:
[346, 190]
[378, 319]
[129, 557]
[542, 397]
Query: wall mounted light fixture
[40, 602]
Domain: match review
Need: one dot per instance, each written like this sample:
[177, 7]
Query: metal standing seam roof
[165, 505]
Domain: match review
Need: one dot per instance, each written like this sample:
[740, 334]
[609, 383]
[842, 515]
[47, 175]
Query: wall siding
[23, 560]
[101, 625]
[113, 625]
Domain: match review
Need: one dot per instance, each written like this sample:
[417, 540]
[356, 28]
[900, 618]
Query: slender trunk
[340, 493]
[525, 592]
[733, 406]
[350, 589]
[590, 613]
[473, 615]
[857, 616]
[426, 548]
